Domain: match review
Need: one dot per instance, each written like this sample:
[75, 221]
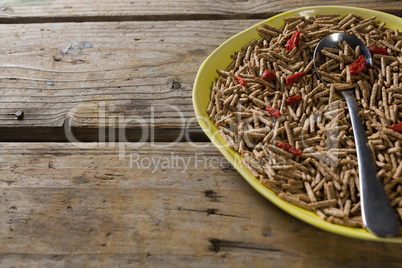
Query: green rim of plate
[220, 59]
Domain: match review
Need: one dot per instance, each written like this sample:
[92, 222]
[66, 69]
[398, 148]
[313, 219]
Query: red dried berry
[274, 112]
[289, 148]
[396, 127]
[268, 76]
[294, 78]
[293, 41]
[357, 66]
[377, 50]
[294, 100]
[241, 81]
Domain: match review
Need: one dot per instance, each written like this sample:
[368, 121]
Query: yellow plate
[220, 59]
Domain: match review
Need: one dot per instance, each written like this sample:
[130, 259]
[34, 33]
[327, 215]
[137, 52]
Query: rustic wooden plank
[85, 10]
[104, 75]
[64, 204]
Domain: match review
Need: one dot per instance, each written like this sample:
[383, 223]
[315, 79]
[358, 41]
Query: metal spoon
[378, 215]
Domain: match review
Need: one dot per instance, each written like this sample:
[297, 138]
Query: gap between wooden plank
[79, 134]
[167, 17]
[127, 18]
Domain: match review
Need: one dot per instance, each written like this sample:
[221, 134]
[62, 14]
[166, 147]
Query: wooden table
[143, 186]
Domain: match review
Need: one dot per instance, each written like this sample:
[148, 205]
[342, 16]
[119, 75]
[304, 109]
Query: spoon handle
[378, 215]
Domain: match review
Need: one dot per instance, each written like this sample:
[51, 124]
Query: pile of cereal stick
[293, 132]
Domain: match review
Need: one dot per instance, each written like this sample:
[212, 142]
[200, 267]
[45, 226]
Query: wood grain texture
[86, 205]
[107, 10]
[104, 75]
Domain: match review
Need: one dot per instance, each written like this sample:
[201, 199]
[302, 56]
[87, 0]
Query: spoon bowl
[332, 41]
[377, 213]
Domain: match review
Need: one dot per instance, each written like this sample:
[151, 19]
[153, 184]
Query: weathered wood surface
[63, 205]
[100, 75]
[86, 10]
